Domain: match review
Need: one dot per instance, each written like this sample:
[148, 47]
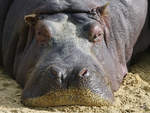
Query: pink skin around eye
[95, 33]
[42, 34]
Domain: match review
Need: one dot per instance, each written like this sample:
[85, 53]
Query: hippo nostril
[57, 73]
[84, 72]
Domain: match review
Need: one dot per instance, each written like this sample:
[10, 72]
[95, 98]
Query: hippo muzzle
[76, 80]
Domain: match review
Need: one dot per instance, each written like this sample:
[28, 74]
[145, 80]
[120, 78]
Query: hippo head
[67, 59]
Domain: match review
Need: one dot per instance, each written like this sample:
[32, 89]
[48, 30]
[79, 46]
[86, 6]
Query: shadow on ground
[142, 66]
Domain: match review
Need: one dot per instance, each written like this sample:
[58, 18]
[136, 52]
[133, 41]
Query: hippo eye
[95, 32]
[42, 39]
[96, 36]
[43, 44]
[42, 35]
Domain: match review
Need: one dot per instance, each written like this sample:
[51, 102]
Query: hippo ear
[103, 10]
[31, 19]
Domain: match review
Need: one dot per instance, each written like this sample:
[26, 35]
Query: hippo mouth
[80, 90]
[70, 96]
[85, 87]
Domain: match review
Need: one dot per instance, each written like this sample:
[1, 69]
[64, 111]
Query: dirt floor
[132, 97]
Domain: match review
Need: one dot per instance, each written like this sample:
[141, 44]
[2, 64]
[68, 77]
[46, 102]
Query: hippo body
[4, 7]
[143, 41]
[68, 52]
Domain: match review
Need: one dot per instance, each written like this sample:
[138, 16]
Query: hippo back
[143, 41]
[4, 7]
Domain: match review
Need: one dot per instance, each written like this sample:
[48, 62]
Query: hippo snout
[77, 86]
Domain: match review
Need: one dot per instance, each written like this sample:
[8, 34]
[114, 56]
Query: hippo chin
[69, 52]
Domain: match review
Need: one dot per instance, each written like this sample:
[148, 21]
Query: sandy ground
[132, 97]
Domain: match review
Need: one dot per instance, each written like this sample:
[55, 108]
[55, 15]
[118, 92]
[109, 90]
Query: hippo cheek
[83, 87]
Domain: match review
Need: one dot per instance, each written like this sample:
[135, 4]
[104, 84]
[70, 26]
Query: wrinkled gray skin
[143, 41]
[4, 7]
[54, 50]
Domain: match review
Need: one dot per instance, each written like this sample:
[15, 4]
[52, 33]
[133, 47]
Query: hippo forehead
[73, 6]
[66, 32]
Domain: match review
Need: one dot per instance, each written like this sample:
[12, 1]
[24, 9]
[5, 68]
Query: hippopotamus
[69, 52]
